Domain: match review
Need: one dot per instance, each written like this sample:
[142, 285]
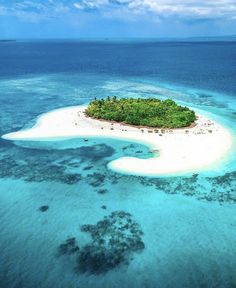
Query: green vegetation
[142, 112]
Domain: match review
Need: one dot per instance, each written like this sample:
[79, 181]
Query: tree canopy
[149, 112]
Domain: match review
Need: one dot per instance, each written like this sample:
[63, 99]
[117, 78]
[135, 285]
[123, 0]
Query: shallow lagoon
[65, 215]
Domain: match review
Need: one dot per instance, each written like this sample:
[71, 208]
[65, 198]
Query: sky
[27, 19]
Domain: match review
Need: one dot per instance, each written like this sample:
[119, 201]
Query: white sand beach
[179, 150]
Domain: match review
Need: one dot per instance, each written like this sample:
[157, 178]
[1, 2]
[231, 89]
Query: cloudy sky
[116, 18]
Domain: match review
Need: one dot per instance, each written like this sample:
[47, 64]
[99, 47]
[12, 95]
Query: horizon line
[105, 38]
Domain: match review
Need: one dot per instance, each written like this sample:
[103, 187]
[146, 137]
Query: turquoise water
[69, 221]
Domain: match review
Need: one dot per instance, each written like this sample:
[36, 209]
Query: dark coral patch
[102, 191]
[96, 179]
[68, 247]
[44, 208]
[88, 168]
[114, 239]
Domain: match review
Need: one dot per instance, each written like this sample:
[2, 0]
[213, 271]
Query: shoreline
[142, 127]
[181, 151]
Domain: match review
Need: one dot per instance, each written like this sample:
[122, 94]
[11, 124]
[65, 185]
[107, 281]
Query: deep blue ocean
[66, 220]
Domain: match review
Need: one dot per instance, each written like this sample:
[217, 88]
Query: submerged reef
[220, 189]
[95, 179]
[113, 241]
[37, 171]
[38, 164]
[70, 246]
[44, 208]
[102, 191]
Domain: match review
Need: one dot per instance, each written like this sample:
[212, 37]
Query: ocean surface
[66, 220]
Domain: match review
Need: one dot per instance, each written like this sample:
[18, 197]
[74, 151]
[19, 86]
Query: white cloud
[78, 6]
[34, 11]
[91, 4]
[164, 8]
[126, 9]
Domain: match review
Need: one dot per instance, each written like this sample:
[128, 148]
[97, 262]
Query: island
[7, 40]
[199, 143]
[149, 112]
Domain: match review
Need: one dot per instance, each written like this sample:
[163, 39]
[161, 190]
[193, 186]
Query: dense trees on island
[142, 112]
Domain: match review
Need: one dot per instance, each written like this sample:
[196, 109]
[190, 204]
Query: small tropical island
[188, 149]
[149, 112]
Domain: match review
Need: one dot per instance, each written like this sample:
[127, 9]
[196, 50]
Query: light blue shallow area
[182, 230]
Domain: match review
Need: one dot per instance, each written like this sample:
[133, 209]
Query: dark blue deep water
[66, 220]
[205, 65]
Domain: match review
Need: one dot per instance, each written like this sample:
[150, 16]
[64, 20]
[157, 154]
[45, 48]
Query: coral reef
[102, 191]
[114, 240]
[44, 208]
[72, 165]
[69, 247]
[37, 165]
[95, 179]
[218, 189]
